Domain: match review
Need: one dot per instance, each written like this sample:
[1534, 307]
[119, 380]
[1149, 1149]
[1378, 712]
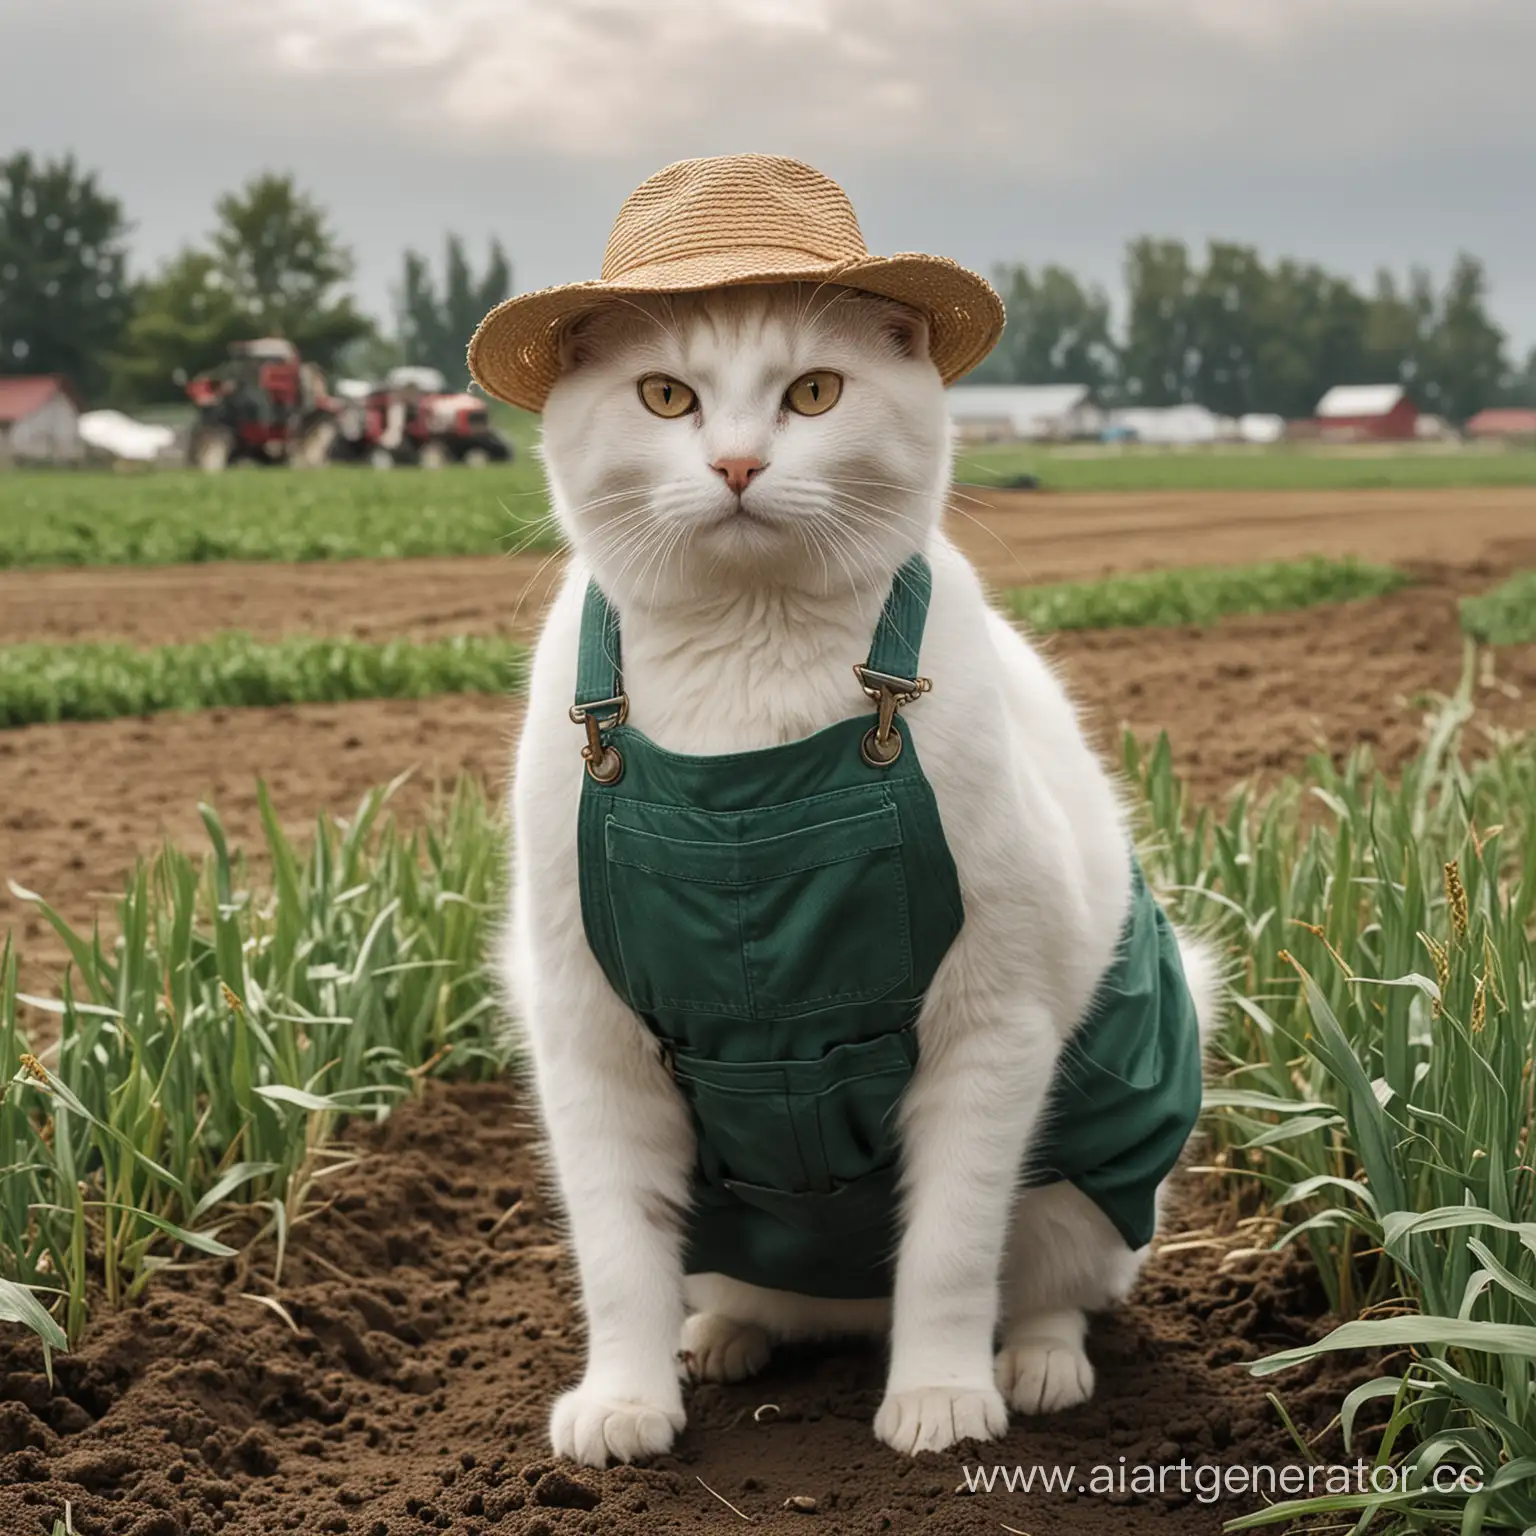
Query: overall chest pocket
[764, 928]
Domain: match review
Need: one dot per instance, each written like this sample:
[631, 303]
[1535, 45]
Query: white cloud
[1044, 88]
[1347, 131]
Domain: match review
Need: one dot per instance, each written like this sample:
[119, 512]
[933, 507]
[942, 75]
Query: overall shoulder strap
[898, 640]
[599, 672]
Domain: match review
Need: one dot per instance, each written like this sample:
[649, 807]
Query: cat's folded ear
[907, 328]
[576, 342]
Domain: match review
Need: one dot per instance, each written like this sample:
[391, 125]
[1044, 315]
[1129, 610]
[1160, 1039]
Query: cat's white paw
[934, 1418]
[595, 1429]
[1044, 1375]
[717, 1348]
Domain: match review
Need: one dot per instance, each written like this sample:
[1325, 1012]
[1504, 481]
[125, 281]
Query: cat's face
[791, 435]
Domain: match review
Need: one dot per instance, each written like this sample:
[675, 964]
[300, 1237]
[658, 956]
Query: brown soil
[434, 1319]
[432, 1328]
[1013, 538]
[1248, 697]
[80, 802]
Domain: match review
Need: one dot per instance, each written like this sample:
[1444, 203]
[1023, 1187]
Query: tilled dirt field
[433, 1302]
[434, 1319]
[1246, 698]
[1013, 538]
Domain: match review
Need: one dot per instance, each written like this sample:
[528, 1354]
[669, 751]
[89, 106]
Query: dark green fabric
[775, 917]
[1126, 1093]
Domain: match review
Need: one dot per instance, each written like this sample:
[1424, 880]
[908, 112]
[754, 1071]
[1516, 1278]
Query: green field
[1133, 468]
[42, 682]
[1504, 616]
[169, 517]
[1199, 595]
[1371, 1096]
[103, 681]
[180, 516]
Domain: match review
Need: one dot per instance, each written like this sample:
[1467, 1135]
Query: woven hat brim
[514, 354]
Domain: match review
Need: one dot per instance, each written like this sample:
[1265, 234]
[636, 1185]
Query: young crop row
[181, 517]
[1504, 616]
[1200, 594]
[1371, 1092]
[204, 1061]
[104, 681]
[176, 517]
[1374, 1093]
[1291, 468]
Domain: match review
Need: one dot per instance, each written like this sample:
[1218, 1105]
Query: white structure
[39, 421]
[1354, 400]
[1173, 426]
[122, 437]
[1257, 428]
[1023, 412]
[428, 380]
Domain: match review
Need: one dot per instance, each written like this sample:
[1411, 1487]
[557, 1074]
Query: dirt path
[433, 1310]
[1013, 539]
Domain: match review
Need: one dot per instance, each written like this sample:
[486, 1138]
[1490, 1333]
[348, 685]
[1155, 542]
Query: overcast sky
[1354, 132]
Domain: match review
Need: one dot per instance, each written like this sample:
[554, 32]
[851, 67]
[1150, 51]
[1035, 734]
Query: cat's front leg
[623, 1153]
[976, 1097]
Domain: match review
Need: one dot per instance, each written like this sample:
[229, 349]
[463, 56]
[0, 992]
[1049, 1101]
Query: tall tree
[1466, 359]
[285, 269]
[1227, 321]
[1159, 360]
[184, 320]
[1520, 386]
[64, 292]
[1058, 331]
[272, 267]
[436, 321]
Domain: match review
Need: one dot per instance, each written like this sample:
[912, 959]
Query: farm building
[1257, 427]
[1358, 412]
[1027, 412]
[39, 420]
[1172, 426]
[1511, 423]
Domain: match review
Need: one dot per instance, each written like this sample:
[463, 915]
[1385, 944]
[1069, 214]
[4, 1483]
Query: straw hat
[717, 223]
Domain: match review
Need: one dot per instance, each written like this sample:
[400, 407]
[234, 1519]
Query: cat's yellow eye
[666, 397]
[814, 393]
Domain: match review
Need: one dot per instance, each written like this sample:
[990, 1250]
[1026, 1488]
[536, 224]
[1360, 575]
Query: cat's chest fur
[742, 676]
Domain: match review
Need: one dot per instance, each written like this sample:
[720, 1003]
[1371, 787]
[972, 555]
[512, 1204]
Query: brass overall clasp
[881, 745]
[603, 761]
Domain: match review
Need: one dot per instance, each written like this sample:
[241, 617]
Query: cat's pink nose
[737, 472]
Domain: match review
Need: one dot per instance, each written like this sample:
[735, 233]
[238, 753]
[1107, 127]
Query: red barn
[1367, 412]
[1511, 422]
[39, 420]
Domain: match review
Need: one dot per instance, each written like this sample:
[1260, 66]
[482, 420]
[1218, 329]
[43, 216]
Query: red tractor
[411, 419]
[263, 404]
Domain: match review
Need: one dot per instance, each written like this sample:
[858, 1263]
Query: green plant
[1378, 1081]
[102, 681]
[170, 517]
[205, 1058]
[1290, 467]
[1504, 616]
[1199, 595]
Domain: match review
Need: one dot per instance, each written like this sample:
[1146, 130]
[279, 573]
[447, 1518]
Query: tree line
[1236, 334]
[272, 265]
[1225, 329]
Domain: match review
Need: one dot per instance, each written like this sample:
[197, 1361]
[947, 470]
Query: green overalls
[775, 918]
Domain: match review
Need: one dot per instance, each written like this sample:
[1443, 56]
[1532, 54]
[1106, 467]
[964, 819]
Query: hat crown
[732, 203]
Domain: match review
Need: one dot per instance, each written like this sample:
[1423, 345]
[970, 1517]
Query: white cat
[748, 550]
